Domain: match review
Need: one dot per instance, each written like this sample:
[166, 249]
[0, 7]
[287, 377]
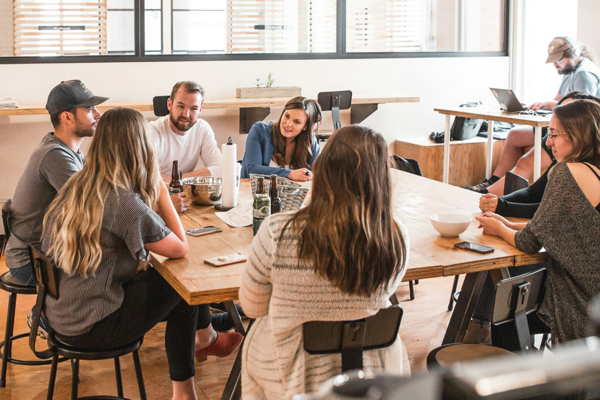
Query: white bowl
[450, 225]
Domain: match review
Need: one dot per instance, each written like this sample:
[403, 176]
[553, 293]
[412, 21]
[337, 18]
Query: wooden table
[251, 109]
[538, 122]
[414, 198]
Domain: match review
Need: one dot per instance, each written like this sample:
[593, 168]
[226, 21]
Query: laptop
[507, 99]
[508, 102]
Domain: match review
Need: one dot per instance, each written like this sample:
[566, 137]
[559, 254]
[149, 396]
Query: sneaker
[221, 322]
[481, 187]
[43, 328]
[220, 307]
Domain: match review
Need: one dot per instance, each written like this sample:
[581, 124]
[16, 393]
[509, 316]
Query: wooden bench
[467, 158]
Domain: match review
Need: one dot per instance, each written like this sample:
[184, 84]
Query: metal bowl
[203, 190]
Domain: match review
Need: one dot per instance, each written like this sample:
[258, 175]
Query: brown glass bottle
[176, 184]
[274, 195]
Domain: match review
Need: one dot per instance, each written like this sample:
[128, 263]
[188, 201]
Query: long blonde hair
[120, 156]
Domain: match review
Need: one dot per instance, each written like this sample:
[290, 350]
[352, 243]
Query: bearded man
[574, 62]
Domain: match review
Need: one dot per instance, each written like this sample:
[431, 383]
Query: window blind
[59, 27]
[281, 26]
[384, 25]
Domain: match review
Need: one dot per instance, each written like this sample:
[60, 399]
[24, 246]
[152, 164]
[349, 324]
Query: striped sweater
[283, 293]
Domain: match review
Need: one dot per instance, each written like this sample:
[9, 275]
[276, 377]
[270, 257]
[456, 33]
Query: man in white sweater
[185, 137]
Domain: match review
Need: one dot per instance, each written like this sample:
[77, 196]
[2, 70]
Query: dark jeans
[148, 300]
[24, 274]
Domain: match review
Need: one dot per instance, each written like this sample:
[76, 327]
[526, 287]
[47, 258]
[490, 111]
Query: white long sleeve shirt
[197, 143]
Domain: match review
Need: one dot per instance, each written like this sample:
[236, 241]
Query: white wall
[588, 32]
[440, 82]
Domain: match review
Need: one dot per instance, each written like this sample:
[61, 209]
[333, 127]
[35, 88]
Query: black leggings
[148, 300]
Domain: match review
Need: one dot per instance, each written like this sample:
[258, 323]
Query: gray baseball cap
[69, 94]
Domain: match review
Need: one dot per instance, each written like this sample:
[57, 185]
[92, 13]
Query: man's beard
[567, 70]
[181, 125]
[82, 132]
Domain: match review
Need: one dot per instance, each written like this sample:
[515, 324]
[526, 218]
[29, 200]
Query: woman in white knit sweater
[338, 259]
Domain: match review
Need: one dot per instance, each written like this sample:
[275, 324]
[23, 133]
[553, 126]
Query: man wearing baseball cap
[72, 109]
[574, 63]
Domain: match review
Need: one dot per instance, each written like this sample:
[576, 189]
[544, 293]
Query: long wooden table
[537, 122]
[251, 109]
[414, 198]
[430, 255]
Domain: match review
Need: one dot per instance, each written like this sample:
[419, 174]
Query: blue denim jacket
[259, 152]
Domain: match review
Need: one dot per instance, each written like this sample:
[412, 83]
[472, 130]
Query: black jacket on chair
[407, 165]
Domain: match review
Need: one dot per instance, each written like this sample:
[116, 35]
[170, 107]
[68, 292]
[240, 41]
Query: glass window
[260, 26]
[424, 25]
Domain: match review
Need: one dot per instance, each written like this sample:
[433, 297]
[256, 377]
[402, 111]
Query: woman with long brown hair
[288, 147]
[340, 258]
[567, 223]
[99, 231]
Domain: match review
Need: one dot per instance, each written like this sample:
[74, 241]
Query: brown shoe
[225, 344]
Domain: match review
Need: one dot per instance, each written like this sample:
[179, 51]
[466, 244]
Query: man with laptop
[571, 60]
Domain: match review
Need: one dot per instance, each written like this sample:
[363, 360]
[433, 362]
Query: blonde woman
[99, 231]
[567, 223]
[338, 259]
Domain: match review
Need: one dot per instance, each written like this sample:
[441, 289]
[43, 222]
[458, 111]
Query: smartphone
[474, 247]
[226, 260]
[205, 230]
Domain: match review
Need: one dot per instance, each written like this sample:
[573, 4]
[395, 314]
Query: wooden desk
[251, 109]
[537, 122]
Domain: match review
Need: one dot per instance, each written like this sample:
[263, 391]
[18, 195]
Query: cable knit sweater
[284, 294]
[568, 227]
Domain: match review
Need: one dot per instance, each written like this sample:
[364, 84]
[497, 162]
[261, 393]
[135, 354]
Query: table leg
[447, 150]
[489, 150]
[233, 387]
[461, 316]
[537, 153]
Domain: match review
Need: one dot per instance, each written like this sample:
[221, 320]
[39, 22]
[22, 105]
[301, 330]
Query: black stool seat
[71, 352]
[9, 284]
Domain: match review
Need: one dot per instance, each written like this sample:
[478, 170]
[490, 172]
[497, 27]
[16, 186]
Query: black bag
[465, 128]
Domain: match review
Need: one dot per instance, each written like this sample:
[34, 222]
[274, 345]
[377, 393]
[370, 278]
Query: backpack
[465, 128]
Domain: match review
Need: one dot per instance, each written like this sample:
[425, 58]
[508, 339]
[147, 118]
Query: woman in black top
[525, 202]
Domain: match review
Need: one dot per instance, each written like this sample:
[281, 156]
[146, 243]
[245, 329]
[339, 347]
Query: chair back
[46, 277]
[350, 338]
[407, 165]
[160, 105]
[335, 101]
[514, 182]
[6, 224]
[516, 297]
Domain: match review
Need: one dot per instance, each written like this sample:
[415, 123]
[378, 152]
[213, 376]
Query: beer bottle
[274, 195]
[262, 205]
[176, 184]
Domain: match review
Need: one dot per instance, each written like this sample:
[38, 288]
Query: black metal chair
[160, 105]
[412, 167]
[512, 183]
[13, 287]
[514, 298]
[350, 338]
[46, 277]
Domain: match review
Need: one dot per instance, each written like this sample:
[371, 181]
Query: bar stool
[13, 287]
[514, 298]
